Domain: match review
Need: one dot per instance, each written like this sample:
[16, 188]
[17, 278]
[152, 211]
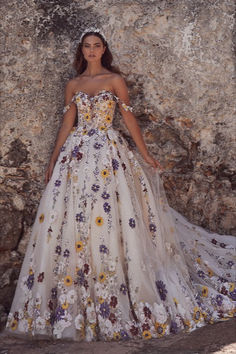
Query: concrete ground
[217, 338]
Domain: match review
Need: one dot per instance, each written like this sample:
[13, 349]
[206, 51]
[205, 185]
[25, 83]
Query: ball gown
[108, 258]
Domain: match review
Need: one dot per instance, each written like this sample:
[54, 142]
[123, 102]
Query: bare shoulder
[71, 85]
[120, 87]
[117, 79]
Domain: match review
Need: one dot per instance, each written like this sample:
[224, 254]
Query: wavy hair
[80, 64]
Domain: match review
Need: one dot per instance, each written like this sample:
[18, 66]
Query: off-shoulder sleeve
[125, 106]
[67, 107]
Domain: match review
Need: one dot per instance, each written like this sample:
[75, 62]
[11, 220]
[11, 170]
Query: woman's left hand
[153, 162]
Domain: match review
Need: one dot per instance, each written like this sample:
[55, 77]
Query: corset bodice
[96, 111]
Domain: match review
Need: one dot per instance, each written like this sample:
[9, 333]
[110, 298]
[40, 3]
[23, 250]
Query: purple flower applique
[106, 207]
[152, 227]
[132, 223]
[123, 289]
[161, 289]
[57, 183]
[104, 310]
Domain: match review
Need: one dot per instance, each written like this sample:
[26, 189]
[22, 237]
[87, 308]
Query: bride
[108, 259]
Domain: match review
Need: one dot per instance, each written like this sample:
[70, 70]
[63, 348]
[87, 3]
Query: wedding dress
[108, 258]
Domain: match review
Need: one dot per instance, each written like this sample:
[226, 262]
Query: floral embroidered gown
[108, 258]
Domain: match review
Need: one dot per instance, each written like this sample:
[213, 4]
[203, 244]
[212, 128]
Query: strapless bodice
[96, 111]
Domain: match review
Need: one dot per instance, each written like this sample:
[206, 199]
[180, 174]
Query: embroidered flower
[115, 164]
[103, 249]
[71, 296]
[80, 217]
[160, 328]
[59, 313]
[108, 118]
[161, 289]
[173, 327]
[105, 195]
[54, 293]
[79, 246]
[30, 281]
[233, 295]
[105, 173]
[66, 253]
[57, 183]
[201, 274]
[102, 277]
[41, 218]
[106, 207]
[14, 325]
[123, 289]
[197, 315]
[40, 277]
[87, 117]
[113, 301]
[132, 223]
[152, 227]
[112, 318]
[68, 280]
[116, 335]
[205, 291]
[40, 323]
[91, 132]
[230, 263]
[97, 146]
[99, 220]
[209, 272]
[79, 156]
[104, 310]
[147, 312]
[147, 334]
[86, 268]
[134, 330]
[95, 187]
[65, 305]
[102, 128]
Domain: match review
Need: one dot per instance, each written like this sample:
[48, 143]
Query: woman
[106, 258]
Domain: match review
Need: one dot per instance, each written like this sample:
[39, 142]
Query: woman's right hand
[49, 171]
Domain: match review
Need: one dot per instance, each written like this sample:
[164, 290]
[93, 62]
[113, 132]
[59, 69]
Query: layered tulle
[108, 258]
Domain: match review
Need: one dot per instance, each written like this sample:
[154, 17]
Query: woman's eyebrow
[92, 43]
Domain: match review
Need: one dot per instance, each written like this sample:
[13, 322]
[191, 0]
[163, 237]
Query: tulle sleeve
[124, 105]
[67, 107]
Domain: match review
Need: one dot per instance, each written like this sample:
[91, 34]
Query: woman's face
[93, 48]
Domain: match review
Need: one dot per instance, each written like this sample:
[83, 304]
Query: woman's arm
[67, 124]
[121, 91]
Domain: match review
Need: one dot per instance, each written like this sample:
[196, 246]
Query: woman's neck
[94, 69]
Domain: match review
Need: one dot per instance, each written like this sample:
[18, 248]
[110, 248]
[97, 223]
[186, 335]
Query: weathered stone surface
[178, 59]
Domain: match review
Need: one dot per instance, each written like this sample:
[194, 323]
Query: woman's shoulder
[71, 84]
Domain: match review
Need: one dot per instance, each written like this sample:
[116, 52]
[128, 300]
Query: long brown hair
[80, 64]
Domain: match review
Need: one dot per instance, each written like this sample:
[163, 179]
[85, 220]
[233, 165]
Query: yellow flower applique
[87, 117]
[68, 280]
[105, 173]
[147, 335]
[41, 218]
[205, 291]
[14, 325]
[99, 221]
[160, 328]
[79, 246]
[102, 277]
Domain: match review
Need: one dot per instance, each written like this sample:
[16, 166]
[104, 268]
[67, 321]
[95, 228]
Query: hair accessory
[92, 29]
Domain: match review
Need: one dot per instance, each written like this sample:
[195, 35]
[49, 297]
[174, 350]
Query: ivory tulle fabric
[108, 259]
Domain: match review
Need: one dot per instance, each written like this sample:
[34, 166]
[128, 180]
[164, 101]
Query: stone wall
[178, 59]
